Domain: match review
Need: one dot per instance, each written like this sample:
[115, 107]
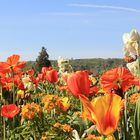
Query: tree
[42, 60]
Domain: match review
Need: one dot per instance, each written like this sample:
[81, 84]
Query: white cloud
[65, 14]
[105, 7]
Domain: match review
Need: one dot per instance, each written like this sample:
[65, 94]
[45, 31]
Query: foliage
[48, 109]
[95, 65]
[137, 120]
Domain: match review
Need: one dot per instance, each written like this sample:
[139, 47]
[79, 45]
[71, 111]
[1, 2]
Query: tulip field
[62, 104]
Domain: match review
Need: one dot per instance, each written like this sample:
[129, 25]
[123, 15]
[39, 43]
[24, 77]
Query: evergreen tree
[42, 60]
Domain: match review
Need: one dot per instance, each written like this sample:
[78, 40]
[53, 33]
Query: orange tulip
[12, 64]
[9, 111]
[118, 79]
[103, 111]
[79, 83]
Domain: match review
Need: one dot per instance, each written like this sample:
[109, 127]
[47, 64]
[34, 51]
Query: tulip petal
[89, 111]
[104, 111]
[107, 109]
[12, 60]
[79, 83]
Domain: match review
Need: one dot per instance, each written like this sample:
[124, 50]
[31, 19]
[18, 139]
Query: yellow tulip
[103, 111]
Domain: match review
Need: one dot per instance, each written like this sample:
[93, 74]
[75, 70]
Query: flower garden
[62, 104]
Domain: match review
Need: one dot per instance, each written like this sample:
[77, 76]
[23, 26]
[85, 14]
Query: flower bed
[67, 105]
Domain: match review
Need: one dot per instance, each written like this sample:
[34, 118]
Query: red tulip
[30, 72]
[40, 77]
[79, 83]
[45, 69]
[9, 111]
[52, 76]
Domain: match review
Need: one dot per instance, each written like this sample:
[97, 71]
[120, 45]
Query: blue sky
[67, 28]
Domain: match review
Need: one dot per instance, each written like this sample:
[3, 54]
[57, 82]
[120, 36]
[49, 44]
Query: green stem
[81, 107]
[1, 96]
[13, 89]
[126, 130]
[34, 136]
[116, 135]
[4, 129]
[138, 66]
[139, 70]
